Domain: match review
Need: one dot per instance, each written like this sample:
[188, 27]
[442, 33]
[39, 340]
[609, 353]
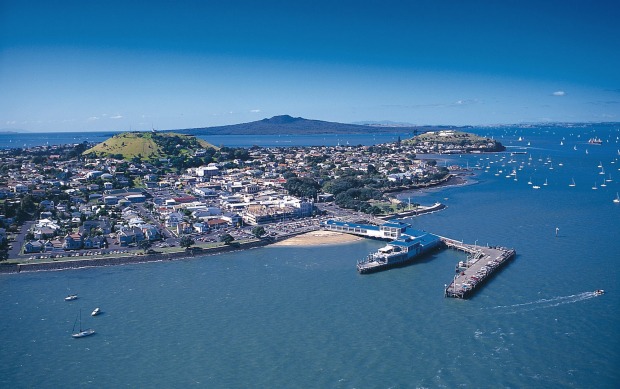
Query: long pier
[481, 263]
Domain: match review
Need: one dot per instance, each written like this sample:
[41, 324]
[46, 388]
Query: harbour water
[303, 317]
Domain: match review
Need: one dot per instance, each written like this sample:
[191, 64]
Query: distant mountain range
[285, 124]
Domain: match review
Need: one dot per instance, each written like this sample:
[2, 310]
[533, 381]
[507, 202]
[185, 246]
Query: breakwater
[482, 262]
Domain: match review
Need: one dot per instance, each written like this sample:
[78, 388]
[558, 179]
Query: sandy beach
[318, 238]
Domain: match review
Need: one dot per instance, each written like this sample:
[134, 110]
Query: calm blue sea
[24, 140]
[302, 317]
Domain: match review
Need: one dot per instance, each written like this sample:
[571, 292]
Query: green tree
[227, 239]
[187, 241]
[258, 231]
[145, 245]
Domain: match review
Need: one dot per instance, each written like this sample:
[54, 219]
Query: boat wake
[545, 303]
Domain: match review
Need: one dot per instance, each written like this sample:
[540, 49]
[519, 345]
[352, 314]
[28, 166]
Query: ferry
[595, 141]
[401, 251]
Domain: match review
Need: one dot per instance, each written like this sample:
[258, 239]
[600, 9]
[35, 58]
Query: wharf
[481, 263]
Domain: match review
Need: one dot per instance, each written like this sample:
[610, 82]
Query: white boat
[545, 184]
[71, 297]
[599, 292]
[617, 199]
[530, 181]
[536, 187]
[81, 333]
[594, 187]
[572, 183]
[96, 312]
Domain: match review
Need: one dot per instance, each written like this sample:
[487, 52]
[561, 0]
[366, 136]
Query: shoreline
[317, 237]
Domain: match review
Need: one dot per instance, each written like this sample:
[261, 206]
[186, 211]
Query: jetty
[407, 244]
[481, 263]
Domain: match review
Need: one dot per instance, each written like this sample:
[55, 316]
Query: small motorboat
[96, 312]
[71, 297]
[599, 292]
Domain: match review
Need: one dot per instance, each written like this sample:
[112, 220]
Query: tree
[258, 231]
[145, 245]
[227, 239]
[187, 241]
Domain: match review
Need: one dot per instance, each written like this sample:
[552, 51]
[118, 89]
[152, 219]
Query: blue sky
[120, 65]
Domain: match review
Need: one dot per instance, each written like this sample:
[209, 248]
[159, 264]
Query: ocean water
[302, 316]
[24, 140]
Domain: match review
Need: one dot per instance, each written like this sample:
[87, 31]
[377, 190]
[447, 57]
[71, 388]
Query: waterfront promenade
[481, 263]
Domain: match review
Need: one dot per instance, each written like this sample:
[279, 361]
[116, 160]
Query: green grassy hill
[148, 145]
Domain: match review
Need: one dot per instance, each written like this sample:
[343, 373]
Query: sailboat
[594, 187]
[530, 181]
[545, 184]
[572, 183]
[82, 333]
[603, 184]
[617, 199]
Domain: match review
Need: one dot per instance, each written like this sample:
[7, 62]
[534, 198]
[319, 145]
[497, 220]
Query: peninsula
[151, 193]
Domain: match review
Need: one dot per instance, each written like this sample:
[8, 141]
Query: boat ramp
[481, 263]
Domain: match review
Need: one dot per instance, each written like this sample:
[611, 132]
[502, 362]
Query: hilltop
[456, 138]
[148, 145]
[285, 124]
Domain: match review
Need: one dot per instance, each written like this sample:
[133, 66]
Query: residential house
[128, 235]
[93, 242]
[201, 227]
[150, 232]
[173, 219]
[73, 242]
[33, 246]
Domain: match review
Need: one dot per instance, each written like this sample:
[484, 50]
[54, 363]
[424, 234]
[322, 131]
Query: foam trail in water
[546, 303]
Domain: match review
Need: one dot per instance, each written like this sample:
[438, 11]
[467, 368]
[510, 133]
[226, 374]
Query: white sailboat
[594, 187]
[572, 184]
[82, 333]
[617, 199]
